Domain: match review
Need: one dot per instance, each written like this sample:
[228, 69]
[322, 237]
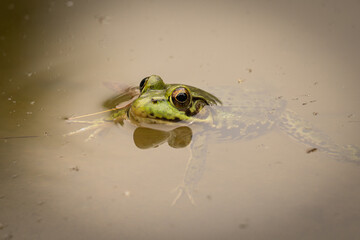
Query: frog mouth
[150, 119]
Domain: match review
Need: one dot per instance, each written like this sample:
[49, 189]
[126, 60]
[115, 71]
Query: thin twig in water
[7, 138]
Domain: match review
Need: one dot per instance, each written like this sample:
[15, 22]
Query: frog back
[245, 114]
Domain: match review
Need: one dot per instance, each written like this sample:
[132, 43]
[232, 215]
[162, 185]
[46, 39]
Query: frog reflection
[150, 138]
[244, 115]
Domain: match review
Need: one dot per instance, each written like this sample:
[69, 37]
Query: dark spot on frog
[177, 119]
[154, 101]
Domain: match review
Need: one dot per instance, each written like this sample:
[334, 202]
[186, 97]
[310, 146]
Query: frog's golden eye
[181, 98]
[142, 83]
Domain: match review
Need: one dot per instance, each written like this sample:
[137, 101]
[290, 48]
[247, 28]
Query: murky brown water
[55, 57]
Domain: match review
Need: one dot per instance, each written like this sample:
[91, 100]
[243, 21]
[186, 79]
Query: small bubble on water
[29, 74]
[69, 3]
[28, 113]
[102, 19]
[32, 102]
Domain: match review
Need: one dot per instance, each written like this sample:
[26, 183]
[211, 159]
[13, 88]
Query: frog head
[170, 103]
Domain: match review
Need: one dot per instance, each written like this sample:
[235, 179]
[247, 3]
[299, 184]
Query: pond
[62, 59]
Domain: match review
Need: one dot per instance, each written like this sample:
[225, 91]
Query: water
[55, 58]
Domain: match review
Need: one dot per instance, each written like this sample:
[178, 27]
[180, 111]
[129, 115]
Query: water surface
[55, 58]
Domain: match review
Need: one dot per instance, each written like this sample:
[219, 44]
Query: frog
[168, 110]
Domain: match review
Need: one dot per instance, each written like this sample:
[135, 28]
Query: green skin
[157, 104]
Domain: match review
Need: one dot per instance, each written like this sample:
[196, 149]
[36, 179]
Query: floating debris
[315, 113]
[240, 80]
[76, 168]
[6, 138]
[310, 150]
[311, 101]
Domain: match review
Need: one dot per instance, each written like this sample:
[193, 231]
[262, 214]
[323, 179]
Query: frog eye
[142, 83]
[181, 98]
